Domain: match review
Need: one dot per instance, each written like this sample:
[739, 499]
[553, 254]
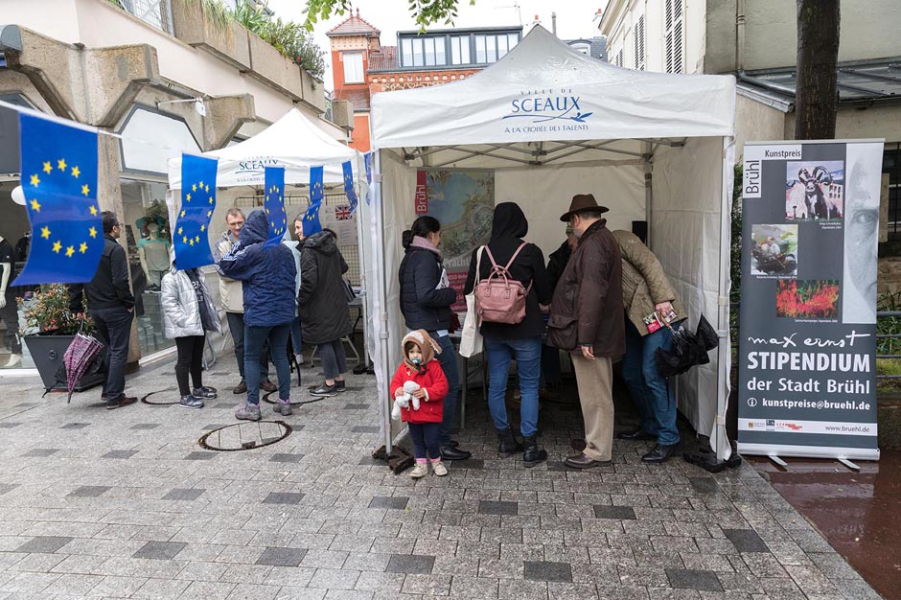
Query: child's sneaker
[191, 401]
[421, 469]
[204, 392]
[439, 468]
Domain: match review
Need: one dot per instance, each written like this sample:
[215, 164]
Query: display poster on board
[807, 329]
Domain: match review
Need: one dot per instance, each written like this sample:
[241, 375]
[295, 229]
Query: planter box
[194, 27]
[313, 91]
[269, 66]
[47, 352]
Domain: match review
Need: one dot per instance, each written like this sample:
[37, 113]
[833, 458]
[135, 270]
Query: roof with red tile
[353, 26]
[385, 59]
[359, 98]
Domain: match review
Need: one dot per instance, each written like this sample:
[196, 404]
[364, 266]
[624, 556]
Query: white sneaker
[421, 469]
[439, 468]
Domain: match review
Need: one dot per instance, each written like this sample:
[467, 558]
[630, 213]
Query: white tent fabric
[552, 122]
[292, 142]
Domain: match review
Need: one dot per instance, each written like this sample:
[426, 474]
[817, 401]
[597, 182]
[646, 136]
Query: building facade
[756, 40]
[160, 77]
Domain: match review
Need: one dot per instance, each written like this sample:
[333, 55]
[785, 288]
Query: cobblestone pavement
[126, 504]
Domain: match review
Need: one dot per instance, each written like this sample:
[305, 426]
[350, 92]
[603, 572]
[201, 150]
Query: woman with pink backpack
[510, 285]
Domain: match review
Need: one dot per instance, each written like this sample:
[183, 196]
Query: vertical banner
[421, 199]
[59, 180]
[367, 164]
[807, 342]
[274, 204]
[311, 223]
[198, 201]
[349, 190]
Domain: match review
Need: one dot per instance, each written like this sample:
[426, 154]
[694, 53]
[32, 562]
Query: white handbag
[471, 339]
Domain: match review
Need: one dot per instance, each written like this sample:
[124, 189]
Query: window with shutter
[619, 58]
[673, 36]
[639, 44]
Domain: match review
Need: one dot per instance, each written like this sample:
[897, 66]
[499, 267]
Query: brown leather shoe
[268, 386]
[581, 461]
[241, 388]
[122, 401]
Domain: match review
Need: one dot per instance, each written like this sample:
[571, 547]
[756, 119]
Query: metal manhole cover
[159, 403]
[245, 436]
[266, 398]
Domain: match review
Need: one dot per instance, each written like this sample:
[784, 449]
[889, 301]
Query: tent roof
[293, 142]
[544, 90]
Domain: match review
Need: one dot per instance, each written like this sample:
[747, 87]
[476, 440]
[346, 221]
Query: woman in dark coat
[322, 306]
[425, 300]
[521, 341]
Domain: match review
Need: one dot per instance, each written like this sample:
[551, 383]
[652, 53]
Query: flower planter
[47, 352]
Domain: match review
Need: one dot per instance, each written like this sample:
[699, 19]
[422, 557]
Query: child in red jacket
[421, 367]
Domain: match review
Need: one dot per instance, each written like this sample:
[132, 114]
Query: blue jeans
[334, 359]
[650, 392]
[254, 340]
[295, 336]
[236, 325]
[527, 353]
[448, 360]
[425, 440]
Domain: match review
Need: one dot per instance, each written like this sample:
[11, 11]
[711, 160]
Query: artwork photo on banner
[861, 234]
[814, 190]
[774, 250]
[814, 300]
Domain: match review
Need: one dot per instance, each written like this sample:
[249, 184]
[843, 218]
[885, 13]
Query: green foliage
[289, 38]
[116, 3]
[888, 325]
[49, 312]
[424, 12]
[735, 268]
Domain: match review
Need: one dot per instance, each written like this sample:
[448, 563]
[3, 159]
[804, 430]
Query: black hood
[256, 228]
[509, 221]
[322, 242]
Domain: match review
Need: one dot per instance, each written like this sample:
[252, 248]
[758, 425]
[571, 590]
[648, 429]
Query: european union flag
[349, 185]
[198, 201]
[274, 204]
[311, 222]
[367, 164]
[59, 178]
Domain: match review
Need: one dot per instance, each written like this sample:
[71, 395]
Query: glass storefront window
[148, 239]
[15, 231]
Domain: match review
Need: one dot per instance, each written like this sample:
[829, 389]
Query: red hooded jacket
[433, 381]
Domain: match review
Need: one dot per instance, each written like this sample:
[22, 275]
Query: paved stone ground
[126, 504]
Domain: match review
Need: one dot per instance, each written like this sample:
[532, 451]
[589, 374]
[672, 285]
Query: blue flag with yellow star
[198, 201]
[274, 204]
[311, 222]
[59, 179]
[349, 185]
[367, 164]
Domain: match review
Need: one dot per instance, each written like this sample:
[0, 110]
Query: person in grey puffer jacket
[188, 313]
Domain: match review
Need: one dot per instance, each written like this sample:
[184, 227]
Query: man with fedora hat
[586, 320]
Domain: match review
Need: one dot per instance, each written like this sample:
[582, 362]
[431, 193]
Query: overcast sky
[574, 18]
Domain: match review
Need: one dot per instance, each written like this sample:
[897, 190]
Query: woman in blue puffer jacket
[267, 271]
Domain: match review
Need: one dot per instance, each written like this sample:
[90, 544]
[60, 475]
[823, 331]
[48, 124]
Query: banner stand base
[849, 464]
[778, 461]
[706, 459]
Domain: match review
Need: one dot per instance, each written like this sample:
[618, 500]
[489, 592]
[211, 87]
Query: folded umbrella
[82, 352]
[688, 349]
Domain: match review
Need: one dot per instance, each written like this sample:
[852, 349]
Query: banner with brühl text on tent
[807, 336]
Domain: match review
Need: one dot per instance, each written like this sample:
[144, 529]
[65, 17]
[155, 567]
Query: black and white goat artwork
[814, 198]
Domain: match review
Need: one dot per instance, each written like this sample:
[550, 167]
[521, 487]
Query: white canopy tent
[552, 122]
[293, 142]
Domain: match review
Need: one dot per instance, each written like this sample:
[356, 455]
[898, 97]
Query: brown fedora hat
[583, 202]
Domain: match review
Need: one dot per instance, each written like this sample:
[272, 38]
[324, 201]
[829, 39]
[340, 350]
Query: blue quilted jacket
[267, 272]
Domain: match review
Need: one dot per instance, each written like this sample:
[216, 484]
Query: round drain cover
[147, 400]
[245, 436]
[268, 399]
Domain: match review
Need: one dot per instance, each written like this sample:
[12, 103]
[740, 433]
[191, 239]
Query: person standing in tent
[231, 294]
[425, 301]
[322, 305]
[586, 319]
[267, 273]
[652, 313]
[520, 341]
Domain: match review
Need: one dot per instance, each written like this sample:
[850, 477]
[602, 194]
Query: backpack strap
[491, 257]
[515, 254]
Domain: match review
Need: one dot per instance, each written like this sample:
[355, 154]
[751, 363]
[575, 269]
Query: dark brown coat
[587, 307]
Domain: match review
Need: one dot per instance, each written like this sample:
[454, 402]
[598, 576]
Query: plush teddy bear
[405, 400]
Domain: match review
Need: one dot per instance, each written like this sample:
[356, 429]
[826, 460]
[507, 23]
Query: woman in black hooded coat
[521, 341]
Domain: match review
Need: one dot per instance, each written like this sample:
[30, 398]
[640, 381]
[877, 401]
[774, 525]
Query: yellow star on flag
[180, 229]
[70, 251]
[83, 248]
[35, 206]
[203, 228]
[209, 213]
[184, 239]
[45, 232]
[191, 241]
[57, 246]
[61, 164]
[194, 188]
[93, 232]
[197, 238]
[188, 198]
[201, 184]
[207, 189]
[93, 210]
[85, 190]
[76, 171]
[211, 199]
[182, 212]
[48, 167]
[35, 181]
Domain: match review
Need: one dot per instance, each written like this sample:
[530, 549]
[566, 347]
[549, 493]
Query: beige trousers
[595, 380]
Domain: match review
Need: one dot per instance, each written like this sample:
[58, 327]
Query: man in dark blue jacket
[111, 305]
[267, 272]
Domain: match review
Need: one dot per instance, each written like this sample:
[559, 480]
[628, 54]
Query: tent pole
[648, 189]
[720, 441]
[382, 365]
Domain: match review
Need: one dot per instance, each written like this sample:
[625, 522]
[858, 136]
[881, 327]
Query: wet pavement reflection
[858, 512]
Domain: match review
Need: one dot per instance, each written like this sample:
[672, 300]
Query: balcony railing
[155, 12]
